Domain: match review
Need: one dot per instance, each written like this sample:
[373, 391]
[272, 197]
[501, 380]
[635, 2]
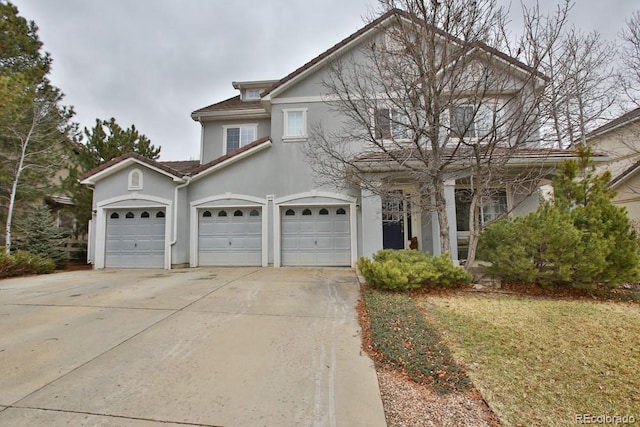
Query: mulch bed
[407, 403]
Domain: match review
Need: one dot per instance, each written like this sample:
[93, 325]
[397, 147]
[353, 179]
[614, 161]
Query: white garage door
[230, 237]
[316, 236]
[135, 238]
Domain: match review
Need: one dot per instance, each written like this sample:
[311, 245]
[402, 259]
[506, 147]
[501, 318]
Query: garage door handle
[229, 242]
[315, 242]
[135, 245]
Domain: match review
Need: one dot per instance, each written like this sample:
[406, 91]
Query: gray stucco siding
[313, 83]
[116, 185]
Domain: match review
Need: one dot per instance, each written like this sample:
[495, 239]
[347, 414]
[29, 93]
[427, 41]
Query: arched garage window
[238, 213]
[144, 214]
[160, 214]
[114, 215]
[129, 215]
[341, 211]
[323, 211]
[206, 214]
[306, 212]
[254, 212]
[290, 212]
[222, 213]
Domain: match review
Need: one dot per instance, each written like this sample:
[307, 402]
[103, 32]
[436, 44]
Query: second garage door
[230, 237]
[316, 236]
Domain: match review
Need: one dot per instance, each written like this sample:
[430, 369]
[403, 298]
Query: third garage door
[230, 237]
[316, 236]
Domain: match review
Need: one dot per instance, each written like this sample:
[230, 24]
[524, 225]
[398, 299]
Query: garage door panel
[322, 238]
[230, 239]
[137, 241]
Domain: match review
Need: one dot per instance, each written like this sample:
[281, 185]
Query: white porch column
[371, 205]
[450, 198]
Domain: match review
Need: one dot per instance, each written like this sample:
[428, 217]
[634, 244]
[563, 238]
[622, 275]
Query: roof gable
[179, 171]
[117, 164]
[629, 117]
[355, 38]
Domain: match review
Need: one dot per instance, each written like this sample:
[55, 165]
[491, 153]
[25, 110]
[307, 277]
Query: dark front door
[393, 217]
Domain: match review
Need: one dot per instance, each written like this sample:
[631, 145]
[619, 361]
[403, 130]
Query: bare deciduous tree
[430, 99]
[630, 75]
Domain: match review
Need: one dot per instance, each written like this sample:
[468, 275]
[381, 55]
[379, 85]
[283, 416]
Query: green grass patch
[541, 361]
[403, 340]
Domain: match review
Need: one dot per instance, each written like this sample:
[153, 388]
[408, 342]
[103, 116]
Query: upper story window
[470, 121]
[236, 137]
[295, 124]
[252, 94]
[135, 179]
[391, 124]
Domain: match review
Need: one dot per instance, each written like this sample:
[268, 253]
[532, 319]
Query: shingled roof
[178, 169]
[231, 104]
[629, 117]
[399, 14]
[519, 154]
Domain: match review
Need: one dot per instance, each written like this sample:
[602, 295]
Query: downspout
[175, 211]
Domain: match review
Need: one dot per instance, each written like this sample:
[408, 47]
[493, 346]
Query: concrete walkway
[211, 347]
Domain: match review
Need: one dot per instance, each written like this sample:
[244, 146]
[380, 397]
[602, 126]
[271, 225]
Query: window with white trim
[295, 124]
[236, 137]
[474, 121]
[252, 94]
[135, 180]
[391, 124]
[493, 205]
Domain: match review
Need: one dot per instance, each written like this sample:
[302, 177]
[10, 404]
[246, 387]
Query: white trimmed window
[135, 179]
[470, 121]
[295, 124]
[391, 124]
[236, 137]
[252, 94]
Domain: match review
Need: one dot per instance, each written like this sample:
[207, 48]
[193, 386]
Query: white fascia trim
[310, 194]
[202, 204]
[625, 178]
[232, 114]
[306, 99]
[123, 164]
[101, 225]
[618, 126]
[232, 160]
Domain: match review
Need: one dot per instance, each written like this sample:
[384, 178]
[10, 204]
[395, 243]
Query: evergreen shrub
[42, 237]
[401, 270]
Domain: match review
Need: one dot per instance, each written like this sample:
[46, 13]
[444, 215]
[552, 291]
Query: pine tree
[42, 236]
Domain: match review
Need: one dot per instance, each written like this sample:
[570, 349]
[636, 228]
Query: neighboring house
[252, 198]
[619, 139]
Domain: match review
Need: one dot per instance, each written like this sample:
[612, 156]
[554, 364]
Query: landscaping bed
[420, 383]
[534, 360]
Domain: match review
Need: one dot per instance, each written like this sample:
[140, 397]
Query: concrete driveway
[212, 347]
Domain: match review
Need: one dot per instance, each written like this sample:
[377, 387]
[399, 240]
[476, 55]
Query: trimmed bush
[401, 270]
[22, 263]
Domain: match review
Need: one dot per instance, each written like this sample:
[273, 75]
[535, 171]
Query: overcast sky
[152, 62]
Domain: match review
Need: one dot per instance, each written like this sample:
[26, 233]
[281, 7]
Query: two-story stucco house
[252, 199]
